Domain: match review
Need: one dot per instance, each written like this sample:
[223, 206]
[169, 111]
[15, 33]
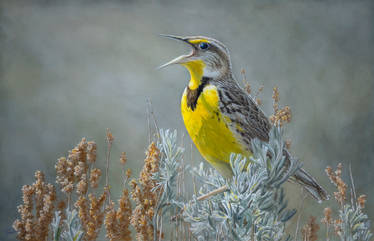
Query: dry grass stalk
[310, 230]
[144, 196]
[327, 220]
[72, 172]
[91, 210]
[91, 214]
[248, 88]
[61, 206]
[361, 200]
[123, 158]
[128, 173]
[91, 152]
[337, 225]
[335, 178]
[247, 85]
[109, 140]
[340, 196]
[76, 173]
[288, 144]
[280, 116]
[117, 222]
[36, 211]
[257, 99]
[95, 175]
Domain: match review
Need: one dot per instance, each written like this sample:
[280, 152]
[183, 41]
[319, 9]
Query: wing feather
[247, 120]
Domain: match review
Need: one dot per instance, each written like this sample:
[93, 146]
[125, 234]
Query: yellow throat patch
[196, 69]
[206, 125]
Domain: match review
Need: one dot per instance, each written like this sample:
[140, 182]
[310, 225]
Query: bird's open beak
[181, 59]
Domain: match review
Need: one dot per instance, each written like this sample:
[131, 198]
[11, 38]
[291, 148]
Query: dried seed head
[327, 216]
[288, 144]
[109, 136]
[95, 177]
[279, 116]
[275, 95]
[310, 230]
[337, 227]
[335, 178]
[37, 209]
[91, 152]
[123, 158]
[117, 222]
[144, 195]
[247, 86]
[128, 173]
[82, 185]
[70, 171]
[91, 214]
[361, 200]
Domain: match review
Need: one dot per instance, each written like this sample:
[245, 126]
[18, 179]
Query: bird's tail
[307, 181]
[310, 185]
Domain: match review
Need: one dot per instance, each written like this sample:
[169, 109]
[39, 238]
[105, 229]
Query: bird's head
[208, 58]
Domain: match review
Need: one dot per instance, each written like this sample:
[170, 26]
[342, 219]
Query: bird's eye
[204, 45]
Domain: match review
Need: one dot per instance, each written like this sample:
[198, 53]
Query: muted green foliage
[171, 155]
[70, 230]
[355, 224]
[166, 177]
[253, 208]
[254, 205]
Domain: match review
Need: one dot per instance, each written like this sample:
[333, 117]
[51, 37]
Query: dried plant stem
[302, 201]
[212, 193]
[253, 232]
[148, 120]
[107, 165]
[69, 201]
[160, 233]
[353, 189]
[152, 114]
[109, 139]
[327, 232]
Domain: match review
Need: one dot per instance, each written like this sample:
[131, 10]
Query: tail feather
[308, 182]
[310, 185]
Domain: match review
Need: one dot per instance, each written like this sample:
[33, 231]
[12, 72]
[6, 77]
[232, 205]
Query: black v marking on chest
[193, 95]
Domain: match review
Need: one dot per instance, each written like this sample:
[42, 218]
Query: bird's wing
[242, 114]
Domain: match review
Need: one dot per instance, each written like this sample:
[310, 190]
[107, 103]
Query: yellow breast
[209, 130]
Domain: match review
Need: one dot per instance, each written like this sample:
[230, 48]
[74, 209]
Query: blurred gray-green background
[74, 68]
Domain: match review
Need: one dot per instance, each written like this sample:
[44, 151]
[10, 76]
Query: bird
[220, 117]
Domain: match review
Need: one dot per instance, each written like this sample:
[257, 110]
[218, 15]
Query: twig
[148, 121]
[300, 212]
[109, 139]
[160, 235]
[212, 193]
[193, 178]
[253, 232]
[153, 117]
[353, 189]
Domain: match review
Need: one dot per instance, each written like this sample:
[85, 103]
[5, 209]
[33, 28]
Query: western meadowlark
[220, 117]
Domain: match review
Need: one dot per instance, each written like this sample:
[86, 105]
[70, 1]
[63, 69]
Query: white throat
[208, 72]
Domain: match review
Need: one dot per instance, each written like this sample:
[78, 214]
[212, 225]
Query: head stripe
[197, 41]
